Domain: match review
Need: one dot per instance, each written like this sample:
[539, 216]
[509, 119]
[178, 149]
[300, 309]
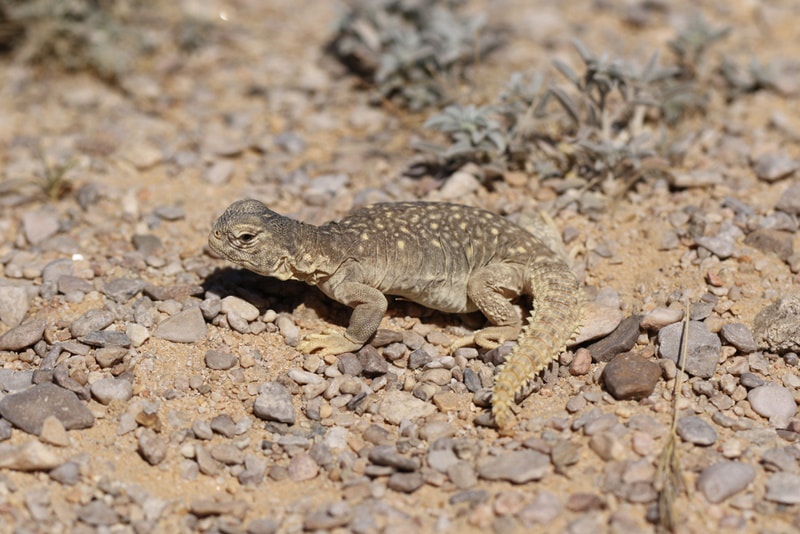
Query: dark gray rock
[28, 409]
[622, 339]
[629, 376]
[106, 338]
[349, 364]
[702, 351]
[387, 455]
[405, 482]
[224, 425]
[372, 362]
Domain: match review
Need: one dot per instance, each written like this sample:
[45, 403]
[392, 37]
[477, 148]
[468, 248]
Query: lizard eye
[246, 238]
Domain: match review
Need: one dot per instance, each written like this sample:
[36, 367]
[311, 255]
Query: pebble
[152, 447]
[631, 377]
[702, 351]
[39, 225]
[401, 405]
[302, 467]
[598, 321]
[68, 473]
[349, 364]
[724, 479]
[418, 359]
[137, 333]
[28, 409]
[106, 338]
[517, 467]
[740, 336]
[372, 363]
[783, 488]
[219, 360]
[622, 339]
[205, 463]
[776, 327]
[109, 356]
[187, 326]
[23, 335]
[28, 456]
[242, 308]
[405, 482]
[544, 508]
[54, 433]
[693, 429]
[170, 213]
[288, 329]
[122, 289]
[222, 424]
[773, 166]
[658, 318]
[789, 200]
[98, 514]
[90, 321]
[769, 241]
[14, 304]
[774, 402]
[109, 389]
[387, 455]
[274, 403]
[12, 381]
[227, 454]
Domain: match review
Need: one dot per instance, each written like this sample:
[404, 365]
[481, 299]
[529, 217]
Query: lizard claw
[329, 342]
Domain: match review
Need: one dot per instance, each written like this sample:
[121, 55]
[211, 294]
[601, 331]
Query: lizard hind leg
[492, 291]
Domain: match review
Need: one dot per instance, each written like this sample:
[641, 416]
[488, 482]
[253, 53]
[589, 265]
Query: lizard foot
[330, 342]
[492, 337]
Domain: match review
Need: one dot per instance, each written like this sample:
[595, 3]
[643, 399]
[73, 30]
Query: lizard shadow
[286, 296]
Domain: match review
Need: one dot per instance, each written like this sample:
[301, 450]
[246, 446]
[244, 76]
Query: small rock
[387, 455]
[187, 326]
[693, 429]
[418, 358]
[658, 318]
[622, 339]
[240, 307]
[219, 173]
[13, 381]
[97, 513]
[770, 241]
[724, 479]
[29, 456]
[142, 154]
[90, 321]
[108, 389]
[740, 336]
[227, 454]
[517, 467]
[598, 321]
[542, 510]
[629, 376]
[721, 245]
[302, 467]
[219, 360]
[399, 405]
[783, 488]
[458, 185]
[702, 351]
[109, 356]
[147, 244]
[789, 201]
[223, 424]
[206, 464]
[23, 336]
[68, 473]
[14, 304]
[405, 482]
[53, 432]
[772, 166]
[170, 213]
[39, 225]
[776, 327]
[349, 365]
[54, 270]
[122, 289]
[28, 409]
[106, 338]
[372, 362]
[137, 333]
[152, 447]
[773, 402]
[274, 403]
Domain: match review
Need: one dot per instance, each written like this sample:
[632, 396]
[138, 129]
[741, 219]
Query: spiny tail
[557, 312]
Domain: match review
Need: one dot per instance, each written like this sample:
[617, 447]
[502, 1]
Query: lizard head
[255, 237]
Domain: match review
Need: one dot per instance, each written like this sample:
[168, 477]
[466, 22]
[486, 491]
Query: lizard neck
[313, 258]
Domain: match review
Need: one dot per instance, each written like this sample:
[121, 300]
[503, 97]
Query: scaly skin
[447, 257]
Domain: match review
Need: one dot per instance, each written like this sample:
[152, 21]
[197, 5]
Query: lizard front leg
[369, 306]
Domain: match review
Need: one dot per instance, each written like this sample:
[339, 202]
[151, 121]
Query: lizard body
[447, 257]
